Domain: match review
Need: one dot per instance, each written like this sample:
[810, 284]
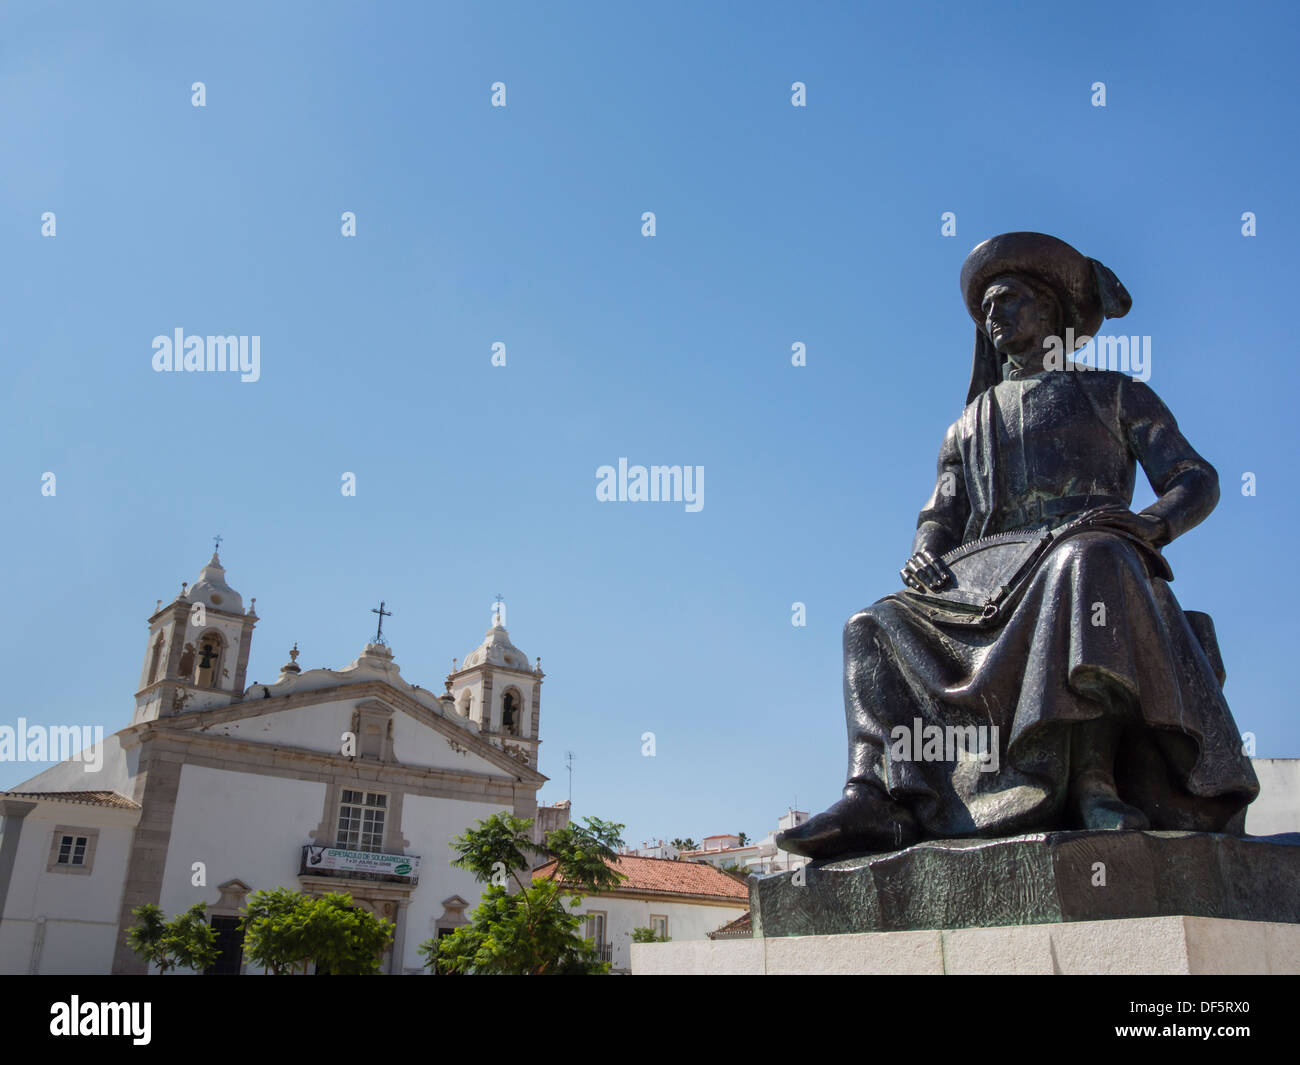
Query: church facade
[326, 780]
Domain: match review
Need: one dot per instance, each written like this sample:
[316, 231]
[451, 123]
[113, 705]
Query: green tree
[686, 844]
[286, 930]
[186, 941]
[744, 838]
[528, 931]
[647, 935]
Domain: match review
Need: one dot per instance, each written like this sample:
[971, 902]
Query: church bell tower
[498, 690]
[197, 654]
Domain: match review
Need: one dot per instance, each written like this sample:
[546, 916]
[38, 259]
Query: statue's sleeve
[942, 521]
[1186, 485]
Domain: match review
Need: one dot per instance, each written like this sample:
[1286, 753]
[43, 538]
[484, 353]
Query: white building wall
[430, 823]
[686, 920]
[1278, 807]
[414, 743]
[239, 825]
[79, 911]
[221, 819]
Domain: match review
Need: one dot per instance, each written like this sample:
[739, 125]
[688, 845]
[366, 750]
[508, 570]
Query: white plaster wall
[686, 920]
[430, 823]
[320, 727]
[80, 911]
[240, 825]
[415, 743]
[1278, 807]
[312, 728]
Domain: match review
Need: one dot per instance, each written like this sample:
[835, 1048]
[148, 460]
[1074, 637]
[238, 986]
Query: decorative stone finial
[292, 665]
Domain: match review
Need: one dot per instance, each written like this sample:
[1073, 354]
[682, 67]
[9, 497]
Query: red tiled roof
[110, 799]
[741, 928]
[663, 876]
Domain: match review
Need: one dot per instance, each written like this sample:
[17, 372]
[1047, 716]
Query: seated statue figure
[1037, 618]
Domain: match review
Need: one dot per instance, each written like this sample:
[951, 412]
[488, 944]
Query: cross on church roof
[216, 543]
[379, 635]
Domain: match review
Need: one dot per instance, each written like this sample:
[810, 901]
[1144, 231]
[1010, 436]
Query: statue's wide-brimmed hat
[1088, 291]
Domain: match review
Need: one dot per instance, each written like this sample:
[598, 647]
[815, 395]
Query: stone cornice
[491, 667]
[190, 721]
[183, 606]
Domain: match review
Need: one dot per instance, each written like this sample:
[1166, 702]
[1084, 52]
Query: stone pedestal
[1044, 878]
[1143, 946]
[1054, 902]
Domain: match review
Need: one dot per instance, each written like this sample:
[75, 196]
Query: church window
[659, 925]
[209, 666]
[187, 660]
[72, 850]
[361, 821]
[510, 713]
[157, 658]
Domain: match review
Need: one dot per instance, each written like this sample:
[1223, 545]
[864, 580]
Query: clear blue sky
[522, 225]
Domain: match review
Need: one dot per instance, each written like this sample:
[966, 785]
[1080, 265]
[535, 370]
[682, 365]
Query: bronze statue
[1036, 673]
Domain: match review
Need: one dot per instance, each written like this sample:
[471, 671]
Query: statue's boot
[1093, 797]
[1097, 804]
[864, 821]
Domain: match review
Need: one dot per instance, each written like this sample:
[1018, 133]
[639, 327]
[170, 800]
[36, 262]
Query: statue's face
[1015, 318]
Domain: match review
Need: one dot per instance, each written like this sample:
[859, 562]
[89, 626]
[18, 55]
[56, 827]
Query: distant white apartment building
[656, 849]
[1278, 807]
[726, 850]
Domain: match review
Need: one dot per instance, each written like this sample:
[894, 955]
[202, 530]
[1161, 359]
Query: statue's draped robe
[1095, 633]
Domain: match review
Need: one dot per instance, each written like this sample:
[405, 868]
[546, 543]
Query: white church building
[326, 780]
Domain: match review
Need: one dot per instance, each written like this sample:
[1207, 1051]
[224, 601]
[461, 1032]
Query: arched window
[187, 661]
[208, 673]
[157, 658]
[511, 712]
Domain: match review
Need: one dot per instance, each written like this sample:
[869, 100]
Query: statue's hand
[1146, 527]
[924, 572]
